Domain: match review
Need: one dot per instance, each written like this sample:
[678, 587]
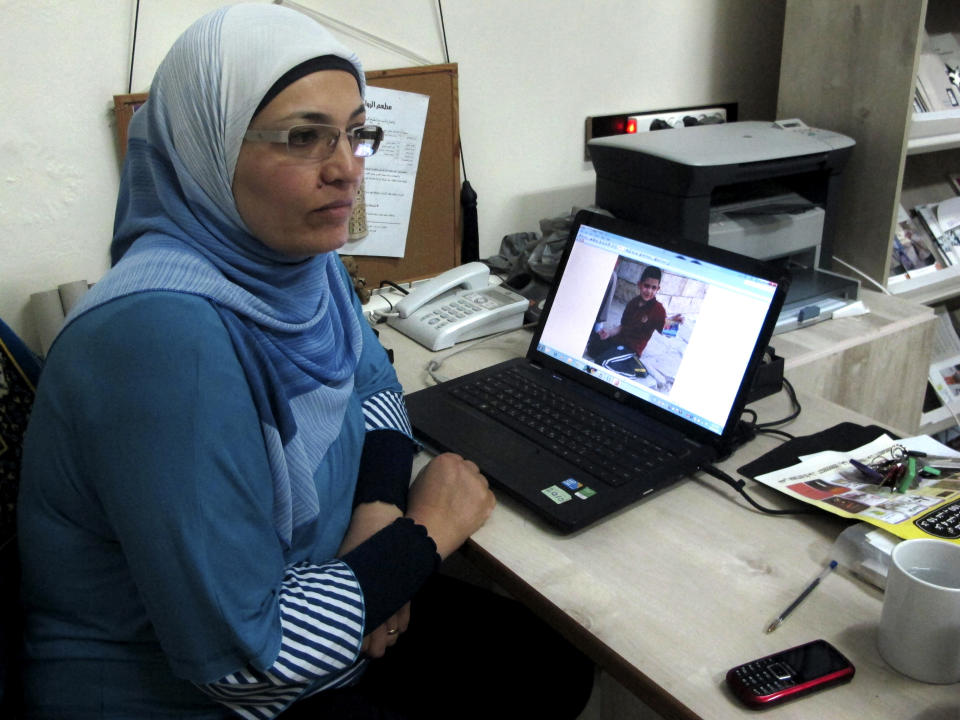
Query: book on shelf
[917, 232]
[936, 95]
[945, 379]
[913, 248]
[946, 341]
[943, 390]
[934, 412]
[941, 220]
[938, 73]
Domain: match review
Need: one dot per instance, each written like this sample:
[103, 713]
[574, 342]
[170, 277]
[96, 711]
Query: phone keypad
[451, 312]
[765, 678]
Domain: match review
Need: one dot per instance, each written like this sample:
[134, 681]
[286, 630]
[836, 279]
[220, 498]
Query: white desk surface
[671, 592]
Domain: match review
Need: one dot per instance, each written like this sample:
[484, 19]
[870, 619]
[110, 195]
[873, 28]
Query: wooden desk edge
[655, 697]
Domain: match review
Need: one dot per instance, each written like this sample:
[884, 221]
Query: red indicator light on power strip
[631, 126]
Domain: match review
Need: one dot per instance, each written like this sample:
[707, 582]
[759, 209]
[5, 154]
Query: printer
[767, 190]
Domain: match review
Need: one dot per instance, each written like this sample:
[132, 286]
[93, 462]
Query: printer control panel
[834, 140]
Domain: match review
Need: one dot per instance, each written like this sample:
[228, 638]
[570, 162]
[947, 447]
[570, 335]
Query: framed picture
[123, 109]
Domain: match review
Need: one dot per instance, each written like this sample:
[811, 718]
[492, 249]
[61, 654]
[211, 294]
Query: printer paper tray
[813, 296]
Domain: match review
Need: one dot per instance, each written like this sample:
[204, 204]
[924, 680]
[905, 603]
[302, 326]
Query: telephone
[457, 305]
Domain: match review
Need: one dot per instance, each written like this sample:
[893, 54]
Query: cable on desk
[435, 364]
[779, 433]
[378, 317]
[796, 408]
[394, 285]
[752, 427]
[747, 430]
[882, 288]
[738, 485]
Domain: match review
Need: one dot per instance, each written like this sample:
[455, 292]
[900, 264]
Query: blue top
[204, 427]
[145, 522]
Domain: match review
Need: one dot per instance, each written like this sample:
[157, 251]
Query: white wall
[530, 71]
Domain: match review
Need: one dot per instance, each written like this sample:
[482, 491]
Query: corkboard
[433, 237]
[123, 108]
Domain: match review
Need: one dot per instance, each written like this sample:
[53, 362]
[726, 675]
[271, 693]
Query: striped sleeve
[321, 620]
[386, 411]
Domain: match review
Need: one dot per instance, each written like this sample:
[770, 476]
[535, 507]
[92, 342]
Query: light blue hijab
[291, 320]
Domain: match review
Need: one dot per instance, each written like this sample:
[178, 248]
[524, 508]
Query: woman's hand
[375, 643]
[451, 499]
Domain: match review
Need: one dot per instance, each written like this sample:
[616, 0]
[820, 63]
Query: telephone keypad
[451, 312]
[765, 678]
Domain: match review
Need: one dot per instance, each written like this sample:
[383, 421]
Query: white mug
[920, 623]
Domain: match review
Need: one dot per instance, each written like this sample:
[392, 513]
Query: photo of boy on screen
[619, 341]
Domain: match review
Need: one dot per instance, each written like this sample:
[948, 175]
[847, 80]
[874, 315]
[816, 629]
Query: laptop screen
[648, 320]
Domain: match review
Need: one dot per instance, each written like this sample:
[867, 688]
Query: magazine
[912, 247]
[922, 502]
[945, 239]
[945, 379]
[938, 73]
[943, 392]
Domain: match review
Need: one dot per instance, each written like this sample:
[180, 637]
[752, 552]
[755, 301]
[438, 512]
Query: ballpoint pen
[800, 598]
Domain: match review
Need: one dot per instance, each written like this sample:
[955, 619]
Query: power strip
[633, 122]
[678, 119]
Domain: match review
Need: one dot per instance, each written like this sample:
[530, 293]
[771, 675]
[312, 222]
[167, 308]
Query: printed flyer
[909, 487]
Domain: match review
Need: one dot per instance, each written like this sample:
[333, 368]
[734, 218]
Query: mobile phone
[789, 674]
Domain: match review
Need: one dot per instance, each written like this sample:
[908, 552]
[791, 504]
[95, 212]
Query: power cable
[133, 48]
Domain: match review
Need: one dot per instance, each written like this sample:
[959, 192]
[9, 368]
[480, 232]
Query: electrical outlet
[634, 122]
[661, 121]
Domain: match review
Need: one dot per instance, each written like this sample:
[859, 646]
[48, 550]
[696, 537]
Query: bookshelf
[851, 67]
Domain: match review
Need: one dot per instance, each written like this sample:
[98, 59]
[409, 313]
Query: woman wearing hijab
[214, 517]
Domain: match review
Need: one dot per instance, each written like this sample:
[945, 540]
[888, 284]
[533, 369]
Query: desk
[670, 593]
[845, 359]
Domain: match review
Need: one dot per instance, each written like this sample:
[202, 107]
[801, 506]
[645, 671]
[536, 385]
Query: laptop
[608, 373]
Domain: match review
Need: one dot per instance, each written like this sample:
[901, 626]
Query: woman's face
[295, 206]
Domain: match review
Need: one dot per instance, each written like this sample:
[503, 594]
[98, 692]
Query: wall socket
[645, 121]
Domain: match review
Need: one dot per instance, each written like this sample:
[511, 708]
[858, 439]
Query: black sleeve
[385, 468]
[391, 566]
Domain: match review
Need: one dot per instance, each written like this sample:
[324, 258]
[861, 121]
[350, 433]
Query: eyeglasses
[318, 142]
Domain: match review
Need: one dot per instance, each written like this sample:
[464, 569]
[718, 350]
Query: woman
[214, 514]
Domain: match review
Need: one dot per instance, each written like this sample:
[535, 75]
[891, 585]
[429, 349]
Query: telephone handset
[457, 305]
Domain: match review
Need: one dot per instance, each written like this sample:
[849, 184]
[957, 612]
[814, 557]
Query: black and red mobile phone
[789, 674]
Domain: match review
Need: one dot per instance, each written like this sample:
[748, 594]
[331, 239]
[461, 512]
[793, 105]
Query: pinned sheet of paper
[391, 174]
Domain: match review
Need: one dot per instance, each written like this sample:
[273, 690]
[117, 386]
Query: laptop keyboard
[605, 449]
